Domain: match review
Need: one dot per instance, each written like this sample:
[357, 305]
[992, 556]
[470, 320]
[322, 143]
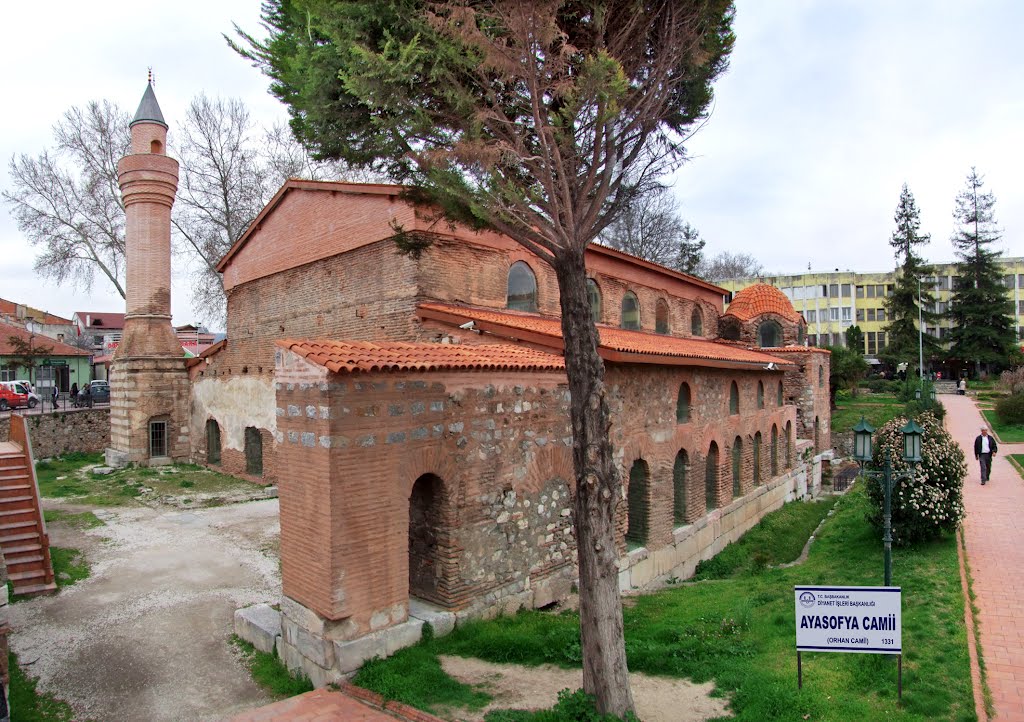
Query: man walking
[984, 449]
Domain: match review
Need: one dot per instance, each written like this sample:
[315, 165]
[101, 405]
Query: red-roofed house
[414, 413]
[36, 320]
[41, 360]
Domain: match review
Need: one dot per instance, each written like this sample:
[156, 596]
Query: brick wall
[806, 387]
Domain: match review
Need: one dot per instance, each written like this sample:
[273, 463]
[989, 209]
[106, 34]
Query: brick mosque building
[414, 414]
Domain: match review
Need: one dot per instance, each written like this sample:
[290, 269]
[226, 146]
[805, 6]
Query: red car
[10, 398]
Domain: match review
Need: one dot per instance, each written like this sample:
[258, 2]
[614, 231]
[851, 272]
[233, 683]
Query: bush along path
[738, 632]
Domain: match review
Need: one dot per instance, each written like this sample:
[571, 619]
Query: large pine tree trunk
[598, 491]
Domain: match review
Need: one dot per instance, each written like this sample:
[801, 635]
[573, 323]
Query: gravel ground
[145, 637]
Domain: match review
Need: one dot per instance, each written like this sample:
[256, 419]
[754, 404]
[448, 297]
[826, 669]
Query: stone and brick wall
[82, 430]
[806, 386]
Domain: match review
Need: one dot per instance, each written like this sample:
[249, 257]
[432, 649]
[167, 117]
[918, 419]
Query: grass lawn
[1005, 433]
[80, 520]
[875, 408]
[1018, 461]
[71, 477]
[268, 671]
[28, 704]
[739, 632]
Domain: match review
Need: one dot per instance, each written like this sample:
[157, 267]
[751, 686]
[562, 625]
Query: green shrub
[1010, 410]
[575, 706]
[915, 408]
[881, 386]
[931, 503]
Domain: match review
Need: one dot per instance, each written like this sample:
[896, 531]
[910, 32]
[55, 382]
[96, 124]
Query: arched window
[212, 441]
[734, 399]
[696, 323]
[775, 450]
[683, 404]
[821, 376]
[757, 459]
[760, 395]
[817, 436]
[769, 335]
[730, 329]
[522, 288]
[679, 471]
[711, 478]
[789, 444]
[630, 312]
[661, 316]
[594, 294]
[737, 467]
[778, 395]
[253, 451]
[636, 523]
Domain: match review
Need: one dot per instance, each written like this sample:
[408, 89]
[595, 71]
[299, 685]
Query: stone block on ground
[441, 620]
[259, 625]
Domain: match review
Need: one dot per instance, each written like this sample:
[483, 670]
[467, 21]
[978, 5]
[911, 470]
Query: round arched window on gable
[522, 288]
[734, 399]
[630, 312]
[594, 294]
[683, 404]
[769, 335]
[661, 317]
[696, 323]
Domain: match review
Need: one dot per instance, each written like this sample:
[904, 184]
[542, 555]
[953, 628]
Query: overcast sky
[828, 107]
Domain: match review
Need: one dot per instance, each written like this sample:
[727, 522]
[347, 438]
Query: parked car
[24, 387]
[11, 397]
[94, 392]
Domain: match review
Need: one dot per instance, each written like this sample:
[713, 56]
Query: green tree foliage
[28, 352]
[855, 339]
[910, 299]
[931, 503]
[542, 120]
[846, 368]
[980, 309]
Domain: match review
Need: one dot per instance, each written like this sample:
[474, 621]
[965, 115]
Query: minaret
[149, 381]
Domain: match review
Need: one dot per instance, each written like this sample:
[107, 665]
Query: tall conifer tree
[980, 309]
[911, 300]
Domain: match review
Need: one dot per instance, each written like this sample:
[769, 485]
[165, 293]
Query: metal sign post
[865, 620]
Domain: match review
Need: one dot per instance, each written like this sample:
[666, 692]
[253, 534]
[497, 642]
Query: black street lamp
[862, 452]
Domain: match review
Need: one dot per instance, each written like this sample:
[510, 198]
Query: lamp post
[920, 340]
[862, 452]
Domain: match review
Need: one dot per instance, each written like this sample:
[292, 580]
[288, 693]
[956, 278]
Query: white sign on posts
[849, 619]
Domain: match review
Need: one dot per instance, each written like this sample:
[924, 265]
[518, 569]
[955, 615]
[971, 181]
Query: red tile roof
[759, 299]
[107, 321]
[353, 356]
[795, 349]
[59, 349]
[616, 344]
[10, 308]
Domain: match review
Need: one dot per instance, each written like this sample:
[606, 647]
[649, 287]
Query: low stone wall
[85, 430]
[842, 442]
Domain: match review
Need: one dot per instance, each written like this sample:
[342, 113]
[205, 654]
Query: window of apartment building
[1008, 281]
[860, 315]
[833, 290]
[871, 314]
[812, 316]
[7, 373]
[833, 314]
[812, 339]
[522, 288]
[1020, 307]
[870, 338]
[871, 291]
[824, 290]
[787, 292]
[860, 291]
[943, 284]
[847, 313]
[888, 289]
[941, 306]
[845, 290]
[630, 312]
[881, 341]
[1020, 280]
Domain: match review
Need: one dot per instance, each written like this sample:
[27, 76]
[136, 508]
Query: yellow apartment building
[832, 302]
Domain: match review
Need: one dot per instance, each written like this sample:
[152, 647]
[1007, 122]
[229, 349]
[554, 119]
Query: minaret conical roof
[149, 109]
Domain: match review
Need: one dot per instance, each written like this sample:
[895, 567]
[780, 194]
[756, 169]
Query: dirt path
[658, 699]
[145, 636]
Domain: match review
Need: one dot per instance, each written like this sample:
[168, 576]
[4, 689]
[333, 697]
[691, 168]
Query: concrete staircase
[23, 539]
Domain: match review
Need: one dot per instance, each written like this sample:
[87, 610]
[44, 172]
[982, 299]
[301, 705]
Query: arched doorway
[425, 531]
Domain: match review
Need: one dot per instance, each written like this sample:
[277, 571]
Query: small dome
[760, 299]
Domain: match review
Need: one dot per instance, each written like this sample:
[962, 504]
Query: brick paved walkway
[320, 705]
[994, 534]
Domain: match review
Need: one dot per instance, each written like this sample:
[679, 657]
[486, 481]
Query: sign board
[849, 619]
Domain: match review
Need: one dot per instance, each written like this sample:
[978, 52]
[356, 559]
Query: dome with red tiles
[759, 299]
